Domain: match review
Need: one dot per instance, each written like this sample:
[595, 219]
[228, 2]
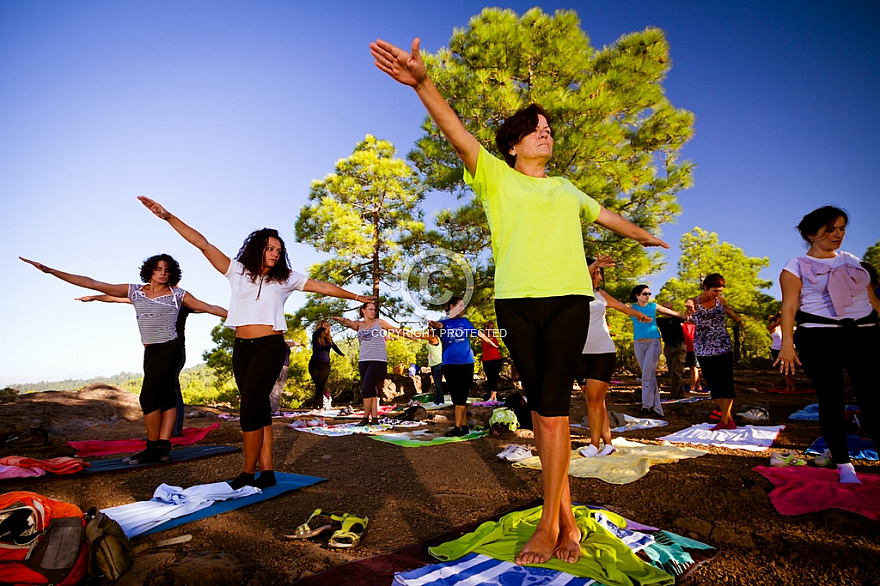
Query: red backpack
[42, 541]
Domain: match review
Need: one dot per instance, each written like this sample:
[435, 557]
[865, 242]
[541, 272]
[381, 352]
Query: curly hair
[149, 265]
[251, 256]
[825, 216]
[513, 130]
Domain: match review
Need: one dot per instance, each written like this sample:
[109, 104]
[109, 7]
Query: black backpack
[517, 403]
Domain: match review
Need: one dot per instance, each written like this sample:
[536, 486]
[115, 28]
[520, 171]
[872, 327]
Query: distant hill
[126, 380]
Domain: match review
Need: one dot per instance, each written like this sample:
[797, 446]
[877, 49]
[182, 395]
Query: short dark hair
[149, 265]
[513, 129]
[815, 220]
[452, 302]
[713, 280]
[634, 294]
[251, 256]
[591, 260]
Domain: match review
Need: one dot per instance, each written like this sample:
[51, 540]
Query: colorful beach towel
[751, 437]
[629, 462]
[425, 437]
[804, 489]
[189, 436]
[858, 448]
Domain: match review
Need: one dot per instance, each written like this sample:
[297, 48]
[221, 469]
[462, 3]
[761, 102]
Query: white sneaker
[590, 451]
[507, 450]
[518, 454]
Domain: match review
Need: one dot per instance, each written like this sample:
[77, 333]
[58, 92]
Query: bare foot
[568, 547]
[538, 549]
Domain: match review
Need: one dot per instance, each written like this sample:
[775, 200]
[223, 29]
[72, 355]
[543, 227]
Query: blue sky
[226, 111]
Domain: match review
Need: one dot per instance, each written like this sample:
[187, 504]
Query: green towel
[604, 557]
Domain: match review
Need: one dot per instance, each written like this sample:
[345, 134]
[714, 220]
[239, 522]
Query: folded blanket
[629, 462]
[751, 437]
[858, 448]
[8, 472]
[62, 465]
[804, 489]
[189, 436]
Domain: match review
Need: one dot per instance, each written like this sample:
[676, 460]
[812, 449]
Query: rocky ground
[412, 494]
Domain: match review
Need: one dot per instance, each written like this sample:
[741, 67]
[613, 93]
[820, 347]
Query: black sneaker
[454, 432]
[646, 411]
[464, 430]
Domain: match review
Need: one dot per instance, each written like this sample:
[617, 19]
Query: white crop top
[598, 337]
[261, 301]
[817, 298]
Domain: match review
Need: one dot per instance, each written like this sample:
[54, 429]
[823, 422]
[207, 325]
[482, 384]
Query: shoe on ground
[365, 421]
[823, 460]
[755, 414]
[503, 454]
[454, 432]
[645, 411]
[785, 459]
[518, 454]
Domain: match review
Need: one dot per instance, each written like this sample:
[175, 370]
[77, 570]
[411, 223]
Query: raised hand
[39, 266]
[406, 68]
[155, 207]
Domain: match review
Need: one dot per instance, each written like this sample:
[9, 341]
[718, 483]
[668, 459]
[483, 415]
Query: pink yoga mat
[190, 436]
[804, 489]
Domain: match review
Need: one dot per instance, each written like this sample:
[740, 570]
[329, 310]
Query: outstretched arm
[81, 281]
[103, 298]
[217, 259]
[349, 323]
[487, 339]
[331, 290]
[409, 69]
[791, 290]
[672, 312]
[620, 225]
[615, 304]
[200, 306]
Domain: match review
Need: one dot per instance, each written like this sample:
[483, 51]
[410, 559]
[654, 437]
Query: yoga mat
[424, 437]
[858, 448]
[117, 465]
[189, 436]
[286, 483]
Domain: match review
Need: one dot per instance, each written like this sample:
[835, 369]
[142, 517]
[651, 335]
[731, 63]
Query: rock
[727, 535]
[693, 525]
[205, 567]
[145, 567]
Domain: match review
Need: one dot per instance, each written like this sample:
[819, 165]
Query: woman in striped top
[157, 305]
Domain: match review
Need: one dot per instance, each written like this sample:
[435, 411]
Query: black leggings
[492, 368]
[256, 363]
[459, 378]
[718, 374]
[826, 353]
[545, 337]
[159, 389]
[320, 372]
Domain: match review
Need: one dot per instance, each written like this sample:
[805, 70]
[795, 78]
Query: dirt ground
[412, 494]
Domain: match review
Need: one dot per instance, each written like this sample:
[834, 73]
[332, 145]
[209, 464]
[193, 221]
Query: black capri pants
[256, 363]
[545, 337]
[372, 377]
[159, 389]
[459, 378]
[718, 374]
[320, 372]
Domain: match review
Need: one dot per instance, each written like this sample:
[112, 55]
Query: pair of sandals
[348, 535]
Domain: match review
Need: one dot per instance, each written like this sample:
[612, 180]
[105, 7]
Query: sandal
[350, 535]
[317, 523]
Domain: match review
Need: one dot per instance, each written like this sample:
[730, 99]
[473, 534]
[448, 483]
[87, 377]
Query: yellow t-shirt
[536, 230]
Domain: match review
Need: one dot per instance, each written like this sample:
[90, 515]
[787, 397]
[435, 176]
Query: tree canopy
[872, 255]
[617, 135]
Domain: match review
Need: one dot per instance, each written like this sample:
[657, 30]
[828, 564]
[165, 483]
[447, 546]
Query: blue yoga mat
[286, 483]
[858, 448]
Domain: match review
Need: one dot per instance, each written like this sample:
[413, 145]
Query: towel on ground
[754, 438]
[811, 412]
[604, 556]
[171, 502]
[189, 436]
[61, 465]
[683, 400]
[805, 489]
[629, 462]
[425, 437]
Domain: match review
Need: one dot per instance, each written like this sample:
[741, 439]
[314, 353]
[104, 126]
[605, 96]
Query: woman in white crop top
[261, 281]
[828, 293]
[157, 305]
